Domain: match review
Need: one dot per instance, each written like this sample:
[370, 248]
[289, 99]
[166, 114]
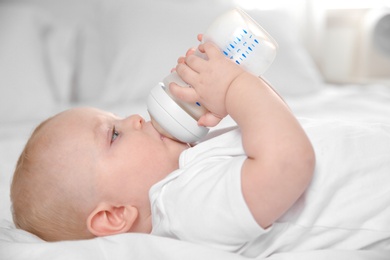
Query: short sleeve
[204, 203]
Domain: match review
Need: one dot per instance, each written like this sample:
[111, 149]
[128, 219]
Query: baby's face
[124, 156]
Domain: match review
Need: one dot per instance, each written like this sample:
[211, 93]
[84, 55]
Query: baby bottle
[243, 41]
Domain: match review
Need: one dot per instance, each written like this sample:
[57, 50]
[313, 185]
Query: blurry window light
[347, 4]
[268, 4]
[321, 4]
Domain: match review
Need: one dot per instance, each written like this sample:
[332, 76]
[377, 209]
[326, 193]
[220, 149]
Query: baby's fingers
[190, 51]
[186, 94]
[210, 49]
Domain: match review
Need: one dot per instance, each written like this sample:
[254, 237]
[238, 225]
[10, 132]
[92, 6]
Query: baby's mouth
[162, 132]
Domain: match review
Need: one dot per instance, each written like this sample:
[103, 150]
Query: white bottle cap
[172, 118]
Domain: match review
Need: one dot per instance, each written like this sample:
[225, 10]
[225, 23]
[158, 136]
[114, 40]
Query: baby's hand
[210, 80]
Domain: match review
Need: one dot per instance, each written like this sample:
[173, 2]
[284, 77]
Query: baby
[87, 173]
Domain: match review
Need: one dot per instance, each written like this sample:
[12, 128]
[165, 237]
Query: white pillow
[145, 38]
[35, 66]
[90, 68]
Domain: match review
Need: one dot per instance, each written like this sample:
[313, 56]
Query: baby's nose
[135, 121]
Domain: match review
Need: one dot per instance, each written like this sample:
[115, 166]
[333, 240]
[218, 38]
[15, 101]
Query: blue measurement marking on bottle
[198, 104]
[241, 46]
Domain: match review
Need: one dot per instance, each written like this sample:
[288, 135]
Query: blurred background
[85, 47]
[348, 40]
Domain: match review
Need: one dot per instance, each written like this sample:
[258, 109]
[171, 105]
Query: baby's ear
[109, 220]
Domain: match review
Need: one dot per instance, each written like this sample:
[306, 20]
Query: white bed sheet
[59, 45]
[137, 246]
[17, 244]
[360, 103]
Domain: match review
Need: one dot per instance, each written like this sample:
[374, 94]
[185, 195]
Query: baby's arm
[280, 159]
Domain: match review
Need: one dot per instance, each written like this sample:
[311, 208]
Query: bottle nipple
[161, 130]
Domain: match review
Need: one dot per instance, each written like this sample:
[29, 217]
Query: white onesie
[343, 208]
[202, 201]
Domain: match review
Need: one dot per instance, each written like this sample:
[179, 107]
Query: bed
[109, 54]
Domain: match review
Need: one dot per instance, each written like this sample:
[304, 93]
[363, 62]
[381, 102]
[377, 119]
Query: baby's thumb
[209, 120]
